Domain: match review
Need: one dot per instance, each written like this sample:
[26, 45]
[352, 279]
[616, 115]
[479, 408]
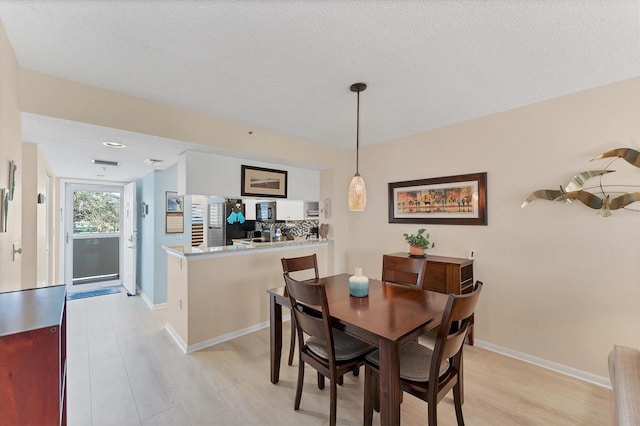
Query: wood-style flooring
[124, 369]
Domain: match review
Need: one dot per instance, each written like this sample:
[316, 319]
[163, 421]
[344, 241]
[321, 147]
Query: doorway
[93, 223]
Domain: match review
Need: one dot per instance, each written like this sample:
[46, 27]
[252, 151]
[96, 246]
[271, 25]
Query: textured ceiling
[286, 66]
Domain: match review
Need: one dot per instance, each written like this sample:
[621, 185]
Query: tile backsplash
[300, 230]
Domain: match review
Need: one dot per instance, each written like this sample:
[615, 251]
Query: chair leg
[457, 402]
[334, 403]
[432, 412]
[296, 406]
[292, 346]
[341, 380]
[320, 381]
[369, 389]
[356, 371]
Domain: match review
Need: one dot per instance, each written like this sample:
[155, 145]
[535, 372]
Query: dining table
[391, 315]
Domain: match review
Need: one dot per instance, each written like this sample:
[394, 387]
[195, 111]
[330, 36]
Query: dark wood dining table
[391, 315]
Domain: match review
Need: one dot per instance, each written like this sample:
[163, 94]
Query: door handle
[67, 238]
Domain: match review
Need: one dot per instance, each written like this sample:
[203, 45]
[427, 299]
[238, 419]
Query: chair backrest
[404, 270]
[456, 320]
[311, 311]
[303, 263]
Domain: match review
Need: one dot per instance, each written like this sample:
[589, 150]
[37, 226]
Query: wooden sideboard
[33, 356]
[451, 275]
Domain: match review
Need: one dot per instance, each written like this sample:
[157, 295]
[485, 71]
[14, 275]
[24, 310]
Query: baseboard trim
[223, 338]
[176, 338]
[151, 305]
[550, 365]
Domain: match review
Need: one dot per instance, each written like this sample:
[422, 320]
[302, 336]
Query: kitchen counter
[239, 247]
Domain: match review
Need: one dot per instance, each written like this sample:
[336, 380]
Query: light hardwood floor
[124, 369]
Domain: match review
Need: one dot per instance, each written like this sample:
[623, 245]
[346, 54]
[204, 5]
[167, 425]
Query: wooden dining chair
[331, 352]
[425, 373]
[299, 264]
[404, 270]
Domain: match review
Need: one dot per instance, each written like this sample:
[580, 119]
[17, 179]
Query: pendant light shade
[357, 188]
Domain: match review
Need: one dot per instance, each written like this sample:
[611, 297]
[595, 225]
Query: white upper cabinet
[289, 210]
[249, 208]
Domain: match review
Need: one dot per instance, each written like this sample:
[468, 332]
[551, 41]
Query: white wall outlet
[180, 304]
[471, 254]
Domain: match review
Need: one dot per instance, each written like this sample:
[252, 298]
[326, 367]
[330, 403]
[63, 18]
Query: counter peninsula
[218, 293]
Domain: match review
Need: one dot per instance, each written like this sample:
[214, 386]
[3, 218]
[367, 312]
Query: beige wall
[10, 149]
[561, 283]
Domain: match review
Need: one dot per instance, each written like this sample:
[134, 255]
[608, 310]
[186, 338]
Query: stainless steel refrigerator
[226, 221]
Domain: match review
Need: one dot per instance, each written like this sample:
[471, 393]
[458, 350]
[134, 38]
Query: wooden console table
[33, 356]
[451, 275]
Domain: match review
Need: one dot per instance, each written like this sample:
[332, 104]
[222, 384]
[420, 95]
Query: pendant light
[357, 189]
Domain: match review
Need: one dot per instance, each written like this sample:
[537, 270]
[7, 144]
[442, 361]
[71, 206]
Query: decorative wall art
[452, 200]
[174, 214]
[4, 209]
[261, 182]
[604, 196]
[12, 179]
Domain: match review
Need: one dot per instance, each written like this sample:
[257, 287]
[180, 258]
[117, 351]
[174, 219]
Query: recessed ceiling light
[114, 144]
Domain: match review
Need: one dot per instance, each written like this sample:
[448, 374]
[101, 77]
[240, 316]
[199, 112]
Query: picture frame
[262, 182]
[448, 200]
[174, 203]
[174, 213]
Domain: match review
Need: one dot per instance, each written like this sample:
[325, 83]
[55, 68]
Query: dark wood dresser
[33, 356]
[451, 275]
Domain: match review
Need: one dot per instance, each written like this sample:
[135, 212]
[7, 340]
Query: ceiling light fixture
[105, 162]
[114, 144]
[357, 189]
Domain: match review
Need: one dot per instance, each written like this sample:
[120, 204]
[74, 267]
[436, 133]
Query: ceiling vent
[152, 161]
[105, 162]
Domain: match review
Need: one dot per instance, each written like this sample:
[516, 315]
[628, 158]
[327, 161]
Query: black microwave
[266, 211]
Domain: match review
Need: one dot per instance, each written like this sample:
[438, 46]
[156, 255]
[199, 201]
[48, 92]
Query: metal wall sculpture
[602, 197]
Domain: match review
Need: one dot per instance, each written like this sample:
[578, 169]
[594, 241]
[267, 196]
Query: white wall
[219, 175]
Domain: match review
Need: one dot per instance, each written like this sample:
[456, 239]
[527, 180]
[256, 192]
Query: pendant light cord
[358, 133]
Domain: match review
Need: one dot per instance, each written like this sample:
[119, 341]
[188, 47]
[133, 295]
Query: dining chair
[429, 374]
[331, 352]
[404, 270]
[298, 264]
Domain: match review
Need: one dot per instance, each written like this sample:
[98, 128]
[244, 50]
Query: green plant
[420, 239]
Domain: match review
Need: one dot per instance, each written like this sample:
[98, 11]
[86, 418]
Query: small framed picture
[174, 202]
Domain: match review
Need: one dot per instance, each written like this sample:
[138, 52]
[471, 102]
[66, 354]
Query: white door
[130, 239]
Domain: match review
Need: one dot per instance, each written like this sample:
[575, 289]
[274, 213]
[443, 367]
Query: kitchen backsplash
[300, 230]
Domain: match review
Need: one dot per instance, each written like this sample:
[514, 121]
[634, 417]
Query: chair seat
[415, 360]
[346, 347]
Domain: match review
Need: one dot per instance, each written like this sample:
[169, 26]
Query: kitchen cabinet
[249, 208]
[33, 356]
[290, 210]
[311, 210]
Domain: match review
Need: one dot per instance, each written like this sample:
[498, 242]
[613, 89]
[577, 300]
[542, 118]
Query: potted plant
[418, 243]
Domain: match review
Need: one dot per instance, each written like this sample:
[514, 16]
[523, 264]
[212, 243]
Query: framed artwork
[174, 215]
[261, 182]
[450, 200]
[174, 202]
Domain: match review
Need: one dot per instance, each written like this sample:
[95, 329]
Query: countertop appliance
[226, 221]
[266, 211]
